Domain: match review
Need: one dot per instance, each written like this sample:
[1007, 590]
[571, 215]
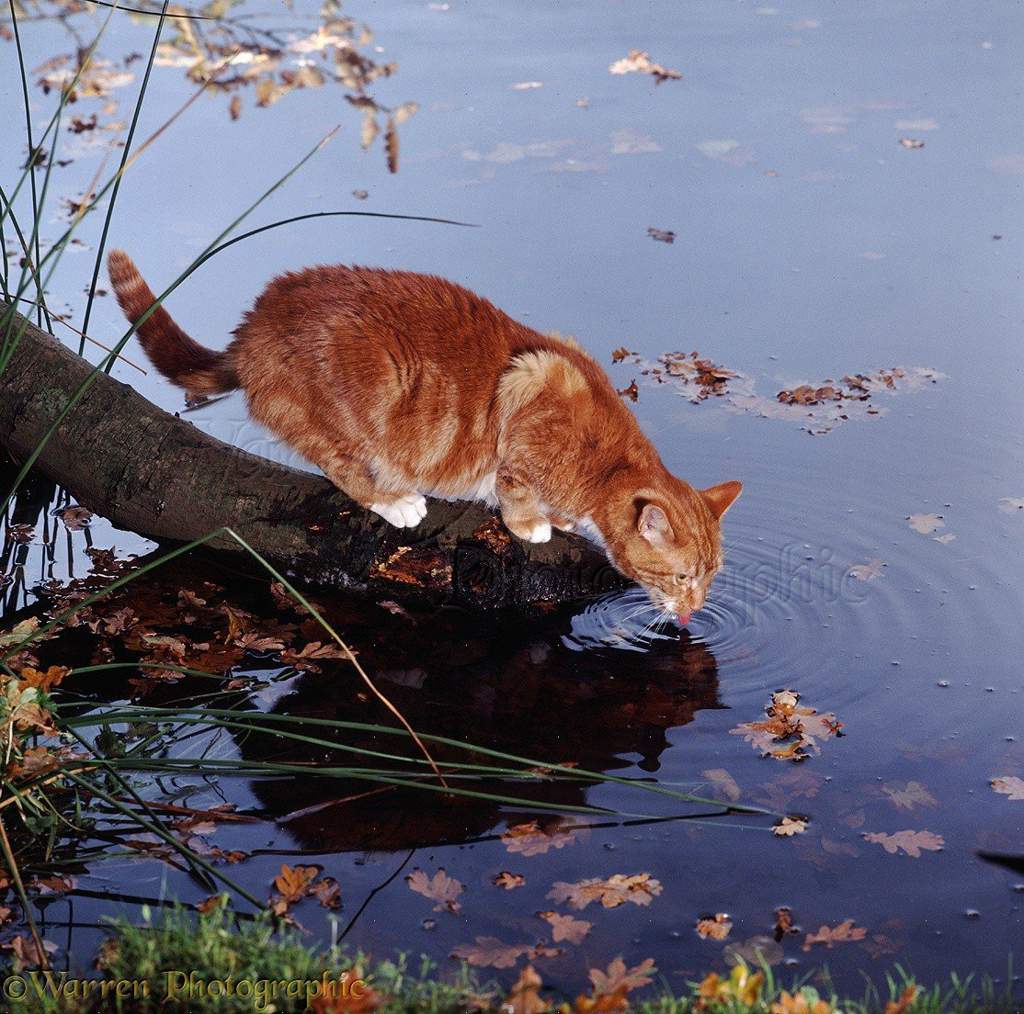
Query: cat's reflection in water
[515, 689]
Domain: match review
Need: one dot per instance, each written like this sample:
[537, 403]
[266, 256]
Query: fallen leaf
[910, 842]
[640, 62]
[526, 86]
[789, 826]
[714, 927]
[524, 997]
[510, 881]
[867, 571]
[639, 889]
[327, 891]
[926, 523]
[724, 784]
[440, 888]
[235, 107]
[910, 142]
[1011, 504]
[944, 539]
[293, 882]
[910, 795]
[621, 353]
[490, 952]
[845, 932]
[661, 235]
[209, 904]
[620, 978]
[784, 922]
[565, 927]
[789, 732]
[531, 839]
[631, 391]
[43, 681]
[1009, 785]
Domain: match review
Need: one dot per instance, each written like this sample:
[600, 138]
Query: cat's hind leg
[355, 478]
[521, 509]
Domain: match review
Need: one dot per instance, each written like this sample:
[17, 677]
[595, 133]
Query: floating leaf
[631, 391]
[867, 571]
[661, 235]
[789, 732]
[910, 842]
[510, 881]
[1011, 504]
[440, 888]
[789, 826]
[531, 839]
[565, 927]
[910, 142]
[845, 932]
[925, 523]
[638, 889]
[714, 927]
[490, 952]
[620, 979]
[293, 882]
[1009, 785]
[639, 62]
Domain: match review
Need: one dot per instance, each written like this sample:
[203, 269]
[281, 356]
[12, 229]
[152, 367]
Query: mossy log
[156, 474]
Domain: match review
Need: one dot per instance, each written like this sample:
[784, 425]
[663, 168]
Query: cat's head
[668, 539]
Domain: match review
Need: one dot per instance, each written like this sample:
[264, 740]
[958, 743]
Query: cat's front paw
[537, 530]
[405, 512]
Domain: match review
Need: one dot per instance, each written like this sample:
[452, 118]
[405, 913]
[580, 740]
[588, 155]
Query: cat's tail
[180, 358]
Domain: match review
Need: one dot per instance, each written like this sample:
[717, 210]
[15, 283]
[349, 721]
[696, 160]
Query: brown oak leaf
[910, 842]
[440, 888]
[1009, 785]
[714, 927]
[639, 889]
[845, 932]
[565, 927]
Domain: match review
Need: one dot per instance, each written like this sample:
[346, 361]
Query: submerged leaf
[909, 842]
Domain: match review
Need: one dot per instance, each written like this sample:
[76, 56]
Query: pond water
[810, 243]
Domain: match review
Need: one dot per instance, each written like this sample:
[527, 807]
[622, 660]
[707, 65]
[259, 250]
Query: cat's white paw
[406, 512]
[540, 532]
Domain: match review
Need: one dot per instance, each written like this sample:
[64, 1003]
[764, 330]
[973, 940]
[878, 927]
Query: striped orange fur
[401, 385]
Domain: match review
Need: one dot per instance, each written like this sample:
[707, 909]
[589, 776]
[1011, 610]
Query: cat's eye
[684, 577]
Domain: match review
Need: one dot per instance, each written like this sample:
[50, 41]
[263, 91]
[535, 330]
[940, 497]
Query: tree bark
[153, 473]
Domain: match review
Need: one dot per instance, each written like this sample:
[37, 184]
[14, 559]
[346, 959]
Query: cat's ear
[721, 497]
[652, 524]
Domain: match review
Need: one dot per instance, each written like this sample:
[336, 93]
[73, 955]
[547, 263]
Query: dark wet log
[156, 474]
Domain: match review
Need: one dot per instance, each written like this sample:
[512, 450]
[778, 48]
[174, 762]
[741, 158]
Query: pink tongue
[684, 618]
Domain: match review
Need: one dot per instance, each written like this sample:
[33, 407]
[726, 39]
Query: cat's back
[345, 311]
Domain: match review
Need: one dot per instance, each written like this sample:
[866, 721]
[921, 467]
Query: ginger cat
[400, 385]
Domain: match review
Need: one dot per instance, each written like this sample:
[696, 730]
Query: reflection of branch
[366, 901]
